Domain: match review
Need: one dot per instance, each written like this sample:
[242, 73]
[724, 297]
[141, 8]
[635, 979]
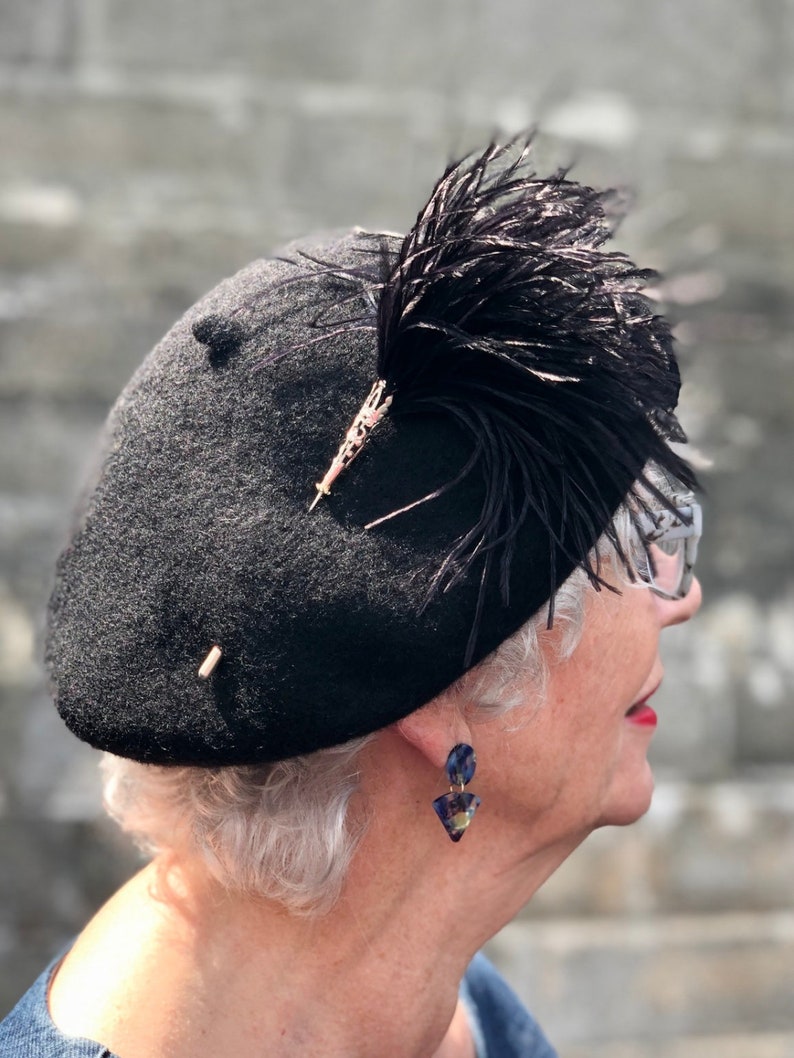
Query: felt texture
[197, 532]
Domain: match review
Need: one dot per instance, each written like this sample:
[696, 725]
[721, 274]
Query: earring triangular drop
[456, 810]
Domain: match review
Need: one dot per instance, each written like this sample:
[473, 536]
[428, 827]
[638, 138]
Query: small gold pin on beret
[209, 663]
[367, 418]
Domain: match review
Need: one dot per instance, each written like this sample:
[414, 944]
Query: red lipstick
[642, 714]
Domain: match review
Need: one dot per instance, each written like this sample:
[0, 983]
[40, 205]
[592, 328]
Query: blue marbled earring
[456, 809]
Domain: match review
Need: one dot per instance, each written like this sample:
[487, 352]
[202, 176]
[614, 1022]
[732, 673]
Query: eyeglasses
[671, 537]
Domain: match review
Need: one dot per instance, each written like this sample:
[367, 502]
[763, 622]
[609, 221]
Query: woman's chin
[630, 801]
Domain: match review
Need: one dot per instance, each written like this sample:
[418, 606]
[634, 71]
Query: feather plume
[505, 311]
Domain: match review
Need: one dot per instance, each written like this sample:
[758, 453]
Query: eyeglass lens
[667, 572]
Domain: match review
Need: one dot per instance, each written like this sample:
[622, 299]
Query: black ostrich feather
[505, 311]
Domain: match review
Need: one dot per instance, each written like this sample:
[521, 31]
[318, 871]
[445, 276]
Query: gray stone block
[76, 331]
[748, 197]
[49, 442]
[738, 1045]
[662, 979]
[704, 56]
[30, 533]
[696, 704]
[358, 43]
[37, 31]
[786, 44]
[371, 171]
[52, 877]
[202, 36]
[702, 848]
[130, 162]
[540, 49]
[33, 243]
[71, 357]
[726, 698]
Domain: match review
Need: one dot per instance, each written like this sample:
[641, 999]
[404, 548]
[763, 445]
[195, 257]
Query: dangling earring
[456, 809]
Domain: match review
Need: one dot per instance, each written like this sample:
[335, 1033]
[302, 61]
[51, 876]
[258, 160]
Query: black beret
[526, 382]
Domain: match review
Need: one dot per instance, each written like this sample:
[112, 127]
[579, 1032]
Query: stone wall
[151, 148]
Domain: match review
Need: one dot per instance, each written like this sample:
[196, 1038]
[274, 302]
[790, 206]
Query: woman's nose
[676, 611]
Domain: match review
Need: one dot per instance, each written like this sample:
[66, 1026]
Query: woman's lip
[648, 695]
[642, 714]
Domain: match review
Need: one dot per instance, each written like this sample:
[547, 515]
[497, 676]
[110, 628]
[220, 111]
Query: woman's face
[579, 761]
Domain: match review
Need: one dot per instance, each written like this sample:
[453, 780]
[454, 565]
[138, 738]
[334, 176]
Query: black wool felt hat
[506, 382]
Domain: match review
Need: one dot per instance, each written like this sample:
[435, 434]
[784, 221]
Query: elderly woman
[379, 554]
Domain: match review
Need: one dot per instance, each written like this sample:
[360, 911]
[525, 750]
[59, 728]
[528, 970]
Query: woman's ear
[435, 728]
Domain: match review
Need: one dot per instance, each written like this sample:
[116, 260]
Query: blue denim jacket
[501, 1026]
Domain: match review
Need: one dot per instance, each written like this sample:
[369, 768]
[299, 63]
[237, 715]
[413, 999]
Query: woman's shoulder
[502, 1026]
[29, 1031]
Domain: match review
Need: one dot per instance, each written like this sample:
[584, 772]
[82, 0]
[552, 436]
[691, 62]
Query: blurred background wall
[150, 148]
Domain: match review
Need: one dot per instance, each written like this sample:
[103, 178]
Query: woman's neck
[175, 965]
